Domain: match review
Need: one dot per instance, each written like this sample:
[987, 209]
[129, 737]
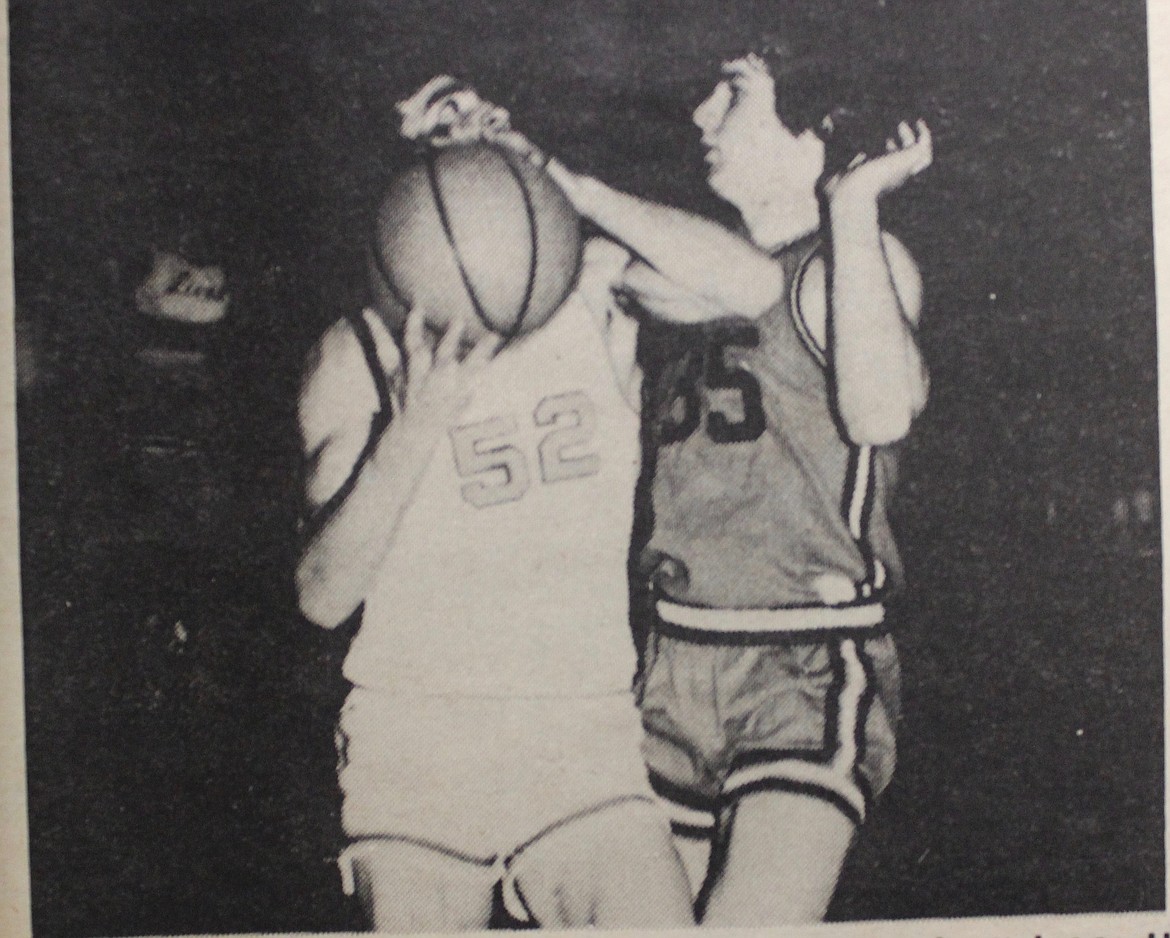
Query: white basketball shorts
[481, 777]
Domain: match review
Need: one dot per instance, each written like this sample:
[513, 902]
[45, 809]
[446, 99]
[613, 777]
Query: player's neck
[774, 223]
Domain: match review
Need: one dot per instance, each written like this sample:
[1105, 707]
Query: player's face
[748, 148]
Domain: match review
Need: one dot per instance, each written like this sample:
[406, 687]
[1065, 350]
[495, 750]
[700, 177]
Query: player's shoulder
[812, 285]
[347, 343]
[338, 380]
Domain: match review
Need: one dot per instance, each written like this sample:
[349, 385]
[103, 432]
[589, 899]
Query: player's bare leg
[783, 861]
[405, 888]
[616, 868]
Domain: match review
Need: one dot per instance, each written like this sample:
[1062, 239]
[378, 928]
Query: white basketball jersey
[508, 574]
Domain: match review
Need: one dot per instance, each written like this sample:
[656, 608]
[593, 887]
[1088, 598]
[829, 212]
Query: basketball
[478, 234]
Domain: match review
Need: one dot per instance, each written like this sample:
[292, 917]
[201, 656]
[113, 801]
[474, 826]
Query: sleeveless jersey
[508, 574]
[759, 500]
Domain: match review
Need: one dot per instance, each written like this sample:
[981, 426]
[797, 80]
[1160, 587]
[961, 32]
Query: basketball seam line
[534, 241]
[445, 221]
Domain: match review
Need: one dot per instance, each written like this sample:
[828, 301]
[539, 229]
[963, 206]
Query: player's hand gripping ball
[475, 233]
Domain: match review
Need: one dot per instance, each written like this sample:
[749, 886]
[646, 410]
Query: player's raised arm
[723, 270]
[715, 264]
[360, 475]
[666, 300]
[874, 296]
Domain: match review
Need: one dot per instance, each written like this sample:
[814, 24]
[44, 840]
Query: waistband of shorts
[698, 622]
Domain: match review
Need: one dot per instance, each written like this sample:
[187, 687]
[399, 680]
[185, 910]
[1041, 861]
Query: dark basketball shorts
[812, 713]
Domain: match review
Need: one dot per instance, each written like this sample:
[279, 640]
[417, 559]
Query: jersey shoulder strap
[796, 259]
[365, 336]
[363, 331]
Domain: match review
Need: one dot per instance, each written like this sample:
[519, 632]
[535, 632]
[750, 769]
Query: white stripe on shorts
[849, 705]
[836, 776]
[796, 619]
[691, 817]
[815, 774]
[860, 491]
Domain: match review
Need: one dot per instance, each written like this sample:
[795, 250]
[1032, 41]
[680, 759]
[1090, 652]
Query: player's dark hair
[853, 108]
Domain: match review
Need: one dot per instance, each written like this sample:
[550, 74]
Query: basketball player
[477, 509]
[770, 690]
[770, 686]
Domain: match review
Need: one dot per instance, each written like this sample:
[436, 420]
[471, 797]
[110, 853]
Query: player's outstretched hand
[439, 382]
[446, 111]
[872, 177]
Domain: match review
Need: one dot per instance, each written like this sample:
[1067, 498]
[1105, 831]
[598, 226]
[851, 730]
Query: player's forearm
[338, 563]
[878, 370]
[698, 254]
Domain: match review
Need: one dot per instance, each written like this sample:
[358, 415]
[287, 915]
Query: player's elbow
[317, 603]
[877, 415]
[877, 432]
[881, 425]
[920, 390]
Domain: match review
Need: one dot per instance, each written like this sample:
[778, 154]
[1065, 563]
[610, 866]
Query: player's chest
[734, 380]
[535, 436]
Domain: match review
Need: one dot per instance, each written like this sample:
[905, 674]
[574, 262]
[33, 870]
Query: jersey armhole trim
[365, 336]
[379, 421]
[798, 320]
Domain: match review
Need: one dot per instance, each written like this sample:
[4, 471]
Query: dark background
[179, 712]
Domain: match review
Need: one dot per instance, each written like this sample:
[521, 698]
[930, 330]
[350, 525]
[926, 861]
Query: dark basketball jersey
[759, 499]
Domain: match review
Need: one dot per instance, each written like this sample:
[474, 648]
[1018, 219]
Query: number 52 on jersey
[492, 454]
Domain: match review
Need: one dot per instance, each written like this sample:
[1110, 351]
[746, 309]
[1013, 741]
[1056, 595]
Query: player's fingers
[906, 134]
[419, 354]
[925, 138]
[449, 345]
[518, 144]
[483, 352]
[756, 62]
[415, 338]
[923, 148]
[416, 326]
[891, 146]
